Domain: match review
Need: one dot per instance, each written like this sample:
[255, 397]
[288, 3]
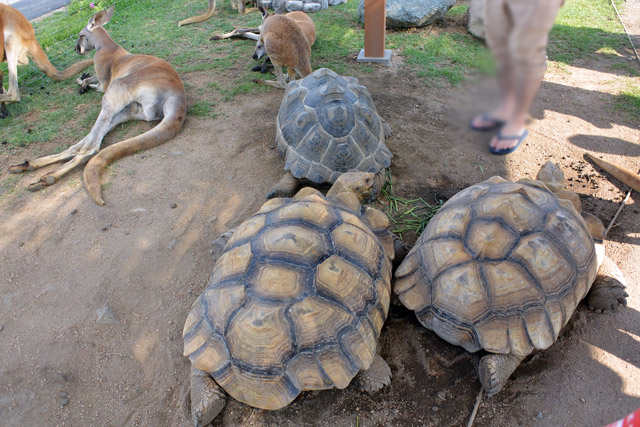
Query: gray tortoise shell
[328, 125]
[501, 267]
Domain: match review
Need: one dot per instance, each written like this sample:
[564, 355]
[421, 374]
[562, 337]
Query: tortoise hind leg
[495, 369]
[286, 187]
[608, 290]
[207, 398]
[377, 376]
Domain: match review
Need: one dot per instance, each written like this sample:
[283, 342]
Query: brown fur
[287, 40]
[138, 87]
[17, 44]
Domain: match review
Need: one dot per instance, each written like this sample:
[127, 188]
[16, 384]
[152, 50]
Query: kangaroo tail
[40, 58]
[200, 18]
[622, 174]
[165, 130]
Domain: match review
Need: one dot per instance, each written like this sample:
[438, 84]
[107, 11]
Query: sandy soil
[93, 299]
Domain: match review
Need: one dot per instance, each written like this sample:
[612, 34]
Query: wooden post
[374, 33]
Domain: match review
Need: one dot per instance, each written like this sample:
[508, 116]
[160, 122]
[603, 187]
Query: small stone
[539, 416]
[441, 395]
[172, 244]
[73, 212]
[63, 394]
[138, 210]
[435, 408]
[583, 400]
[177, 153]
[107, 316]
[105, 227]
[1, 328]
[173, 205]
[64, 402]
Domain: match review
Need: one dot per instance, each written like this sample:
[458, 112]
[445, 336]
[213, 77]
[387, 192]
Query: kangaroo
[138, 87]
[238, 5]
[17, 44]
[287, 39]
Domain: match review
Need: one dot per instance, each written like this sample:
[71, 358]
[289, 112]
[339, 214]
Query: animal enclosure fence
[57, 31]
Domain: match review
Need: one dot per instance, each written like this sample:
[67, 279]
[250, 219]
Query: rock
[311, 7]
[173, 205]
[476, 19]
[336, 2]
[64, 402]
[63, 394]
[105, 227]
[412, 13]
[73, 212]
[138, 210]
[294, 5]
[107, 316]
[539, 416]
[1, 328]
[172, 244]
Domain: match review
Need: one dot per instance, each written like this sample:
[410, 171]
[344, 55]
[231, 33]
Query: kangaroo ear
[100, 18]
[263, 10]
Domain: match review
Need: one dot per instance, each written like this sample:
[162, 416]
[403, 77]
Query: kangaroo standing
[17, 44]
[287, 39]
[138, 87]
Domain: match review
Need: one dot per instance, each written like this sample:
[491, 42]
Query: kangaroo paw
[22, 167]
[45, 181]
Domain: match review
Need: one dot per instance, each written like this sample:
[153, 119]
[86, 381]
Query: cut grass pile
[407, 215]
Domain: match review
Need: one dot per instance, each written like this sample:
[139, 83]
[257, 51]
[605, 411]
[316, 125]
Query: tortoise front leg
[495, 369]
[377, 376]
[608, 291]
[207, 398]
[286, 187]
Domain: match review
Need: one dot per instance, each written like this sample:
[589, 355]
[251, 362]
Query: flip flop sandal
[493, 123]
[502, 137]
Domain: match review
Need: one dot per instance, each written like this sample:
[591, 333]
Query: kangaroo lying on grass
[238, 5]
[17, 44]
[138, 87]
[287, 39]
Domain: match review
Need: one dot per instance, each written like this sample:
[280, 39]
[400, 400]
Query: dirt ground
[93, 299]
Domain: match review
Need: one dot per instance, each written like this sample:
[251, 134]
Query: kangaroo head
[260, 49]
[86, 40]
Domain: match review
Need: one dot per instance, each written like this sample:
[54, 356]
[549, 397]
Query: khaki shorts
[518, 32]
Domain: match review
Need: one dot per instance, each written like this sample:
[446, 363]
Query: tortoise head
[364, 185]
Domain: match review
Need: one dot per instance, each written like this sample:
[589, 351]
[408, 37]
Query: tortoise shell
[328, 125]
[296, 301]
[501, 267]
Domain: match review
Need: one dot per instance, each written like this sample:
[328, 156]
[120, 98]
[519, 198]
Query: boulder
[476, 19]
[336, 2]
[293, 5]
[311, 7]
[412, 13]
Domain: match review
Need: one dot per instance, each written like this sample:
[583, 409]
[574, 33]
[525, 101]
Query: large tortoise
[295, 302]
[501, 268]
[328, 125]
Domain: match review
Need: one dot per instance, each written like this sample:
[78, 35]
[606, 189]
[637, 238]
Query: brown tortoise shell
[296, 301]
[500, 267]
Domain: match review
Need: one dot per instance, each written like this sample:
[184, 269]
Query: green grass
[584, 28]
[628, 100]
[442, 53]
[407, 215]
